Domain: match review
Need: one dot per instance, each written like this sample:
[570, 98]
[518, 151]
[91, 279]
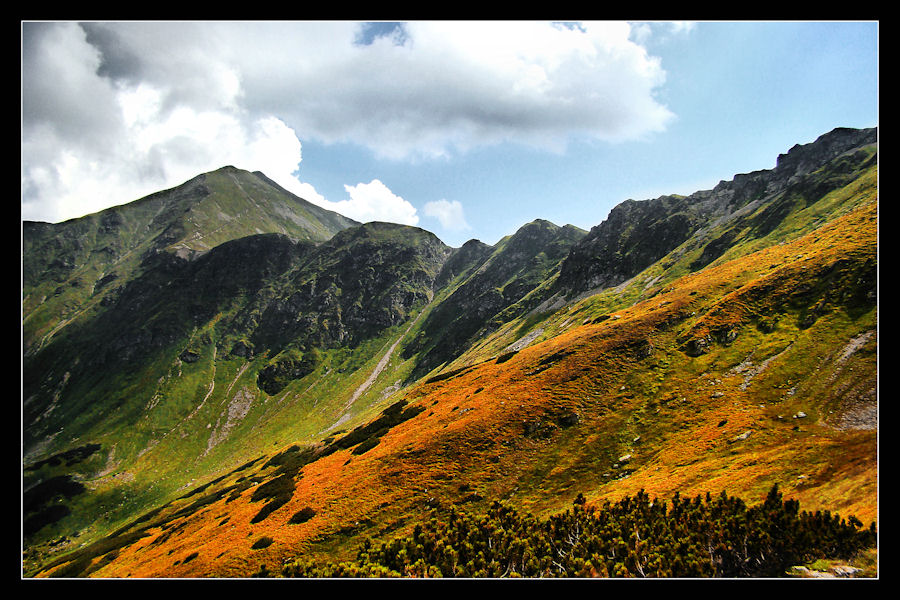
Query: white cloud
[371, 201]
[448, 213]
[678, 27]
[642, 32]
[113, 111]
[451, 86]
[89, 142]
[153, 152]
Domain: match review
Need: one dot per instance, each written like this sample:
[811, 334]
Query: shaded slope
[149, 326]
[515, 266]
[263, 295]
[360, 282]
[74, 267]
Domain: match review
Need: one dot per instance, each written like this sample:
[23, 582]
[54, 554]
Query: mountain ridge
[88, 257]
[683, 216]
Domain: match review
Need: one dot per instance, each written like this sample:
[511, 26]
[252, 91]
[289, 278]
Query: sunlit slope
[791, 209]
[756, 370]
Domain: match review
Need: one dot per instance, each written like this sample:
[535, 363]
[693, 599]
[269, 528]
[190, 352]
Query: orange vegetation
[605, 409]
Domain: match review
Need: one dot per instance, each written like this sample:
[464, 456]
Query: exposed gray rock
[638, 233]
[742, 437]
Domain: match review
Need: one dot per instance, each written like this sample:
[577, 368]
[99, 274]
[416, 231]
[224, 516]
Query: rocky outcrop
[463, 261]
[636, 234]
[356, 285]
[805, 158]
[633, 237]
[516, 266]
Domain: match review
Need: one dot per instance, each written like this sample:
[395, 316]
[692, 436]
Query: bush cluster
[276, 492]
[635, 537]
[44, 503]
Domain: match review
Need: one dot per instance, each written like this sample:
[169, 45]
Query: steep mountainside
[517, 265]
[361, 282]
[69, 268]
[276, 397]
[749, 207]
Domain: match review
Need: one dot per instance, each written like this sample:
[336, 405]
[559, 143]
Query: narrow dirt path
[373, 376]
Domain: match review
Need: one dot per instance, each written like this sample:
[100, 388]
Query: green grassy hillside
[72, 270]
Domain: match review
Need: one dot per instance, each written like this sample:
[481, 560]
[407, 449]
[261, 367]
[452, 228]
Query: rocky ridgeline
[636, 234]
[806, 158]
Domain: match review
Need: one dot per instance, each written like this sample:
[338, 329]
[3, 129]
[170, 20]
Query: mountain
[494, 282]
[258, 390]
[71, 267]
[748, 208]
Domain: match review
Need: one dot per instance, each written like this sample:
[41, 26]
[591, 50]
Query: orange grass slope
[757, 371]
[783, 384]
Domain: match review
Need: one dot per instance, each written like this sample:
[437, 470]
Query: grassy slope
[207, 417]
[242, 204]
[180, 404]
[504, 430]
[63, 264]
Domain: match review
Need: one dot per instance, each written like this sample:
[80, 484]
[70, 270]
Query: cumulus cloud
[446, 86]
[642, 32]
[113, 111]
[371, 201]
[448, 213]
[90, 141]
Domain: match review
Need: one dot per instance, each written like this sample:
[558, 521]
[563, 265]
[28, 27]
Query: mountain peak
[805, 157]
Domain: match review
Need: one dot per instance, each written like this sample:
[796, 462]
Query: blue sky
[466, 129]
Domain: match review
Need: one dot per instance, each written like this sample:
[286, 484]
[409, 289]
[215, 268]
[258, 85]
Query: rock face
[516, 266]
[354, 286]
[636, 234]
[805, 158]
[463, 262]
[833, 572]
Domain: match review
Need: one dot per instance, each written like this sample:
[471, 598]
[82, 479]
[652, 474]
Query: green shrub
[634, 537]
[302, 516]
[263, 542]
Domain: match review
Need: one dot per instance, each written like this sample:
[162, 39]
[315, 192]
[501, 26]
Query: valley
[223, 376]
